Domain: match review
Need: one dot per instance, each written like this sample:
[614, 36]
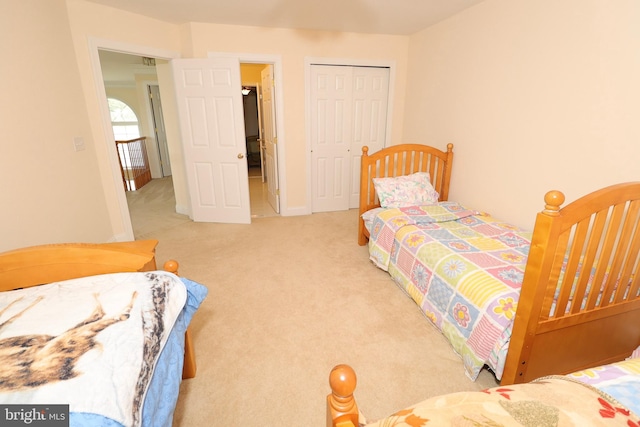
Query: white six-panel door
[369, 111]
[348, 110]
[211, 121]
[330, 137]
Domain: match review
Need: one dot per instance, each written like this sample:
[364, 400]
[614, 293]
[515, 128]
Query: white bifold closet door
[349, 107]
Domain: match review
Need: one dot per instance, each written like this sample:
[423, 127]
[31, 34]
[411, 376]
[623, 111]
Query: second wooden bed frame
[600, 230]
[38, 265]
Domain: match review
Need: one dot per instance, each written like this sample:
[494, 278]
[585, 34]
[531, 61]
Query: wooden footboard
[37, 265]
[399, 160]
[579, 305]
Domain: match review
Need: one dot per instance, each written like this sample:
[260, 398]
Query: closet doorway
[348, 110]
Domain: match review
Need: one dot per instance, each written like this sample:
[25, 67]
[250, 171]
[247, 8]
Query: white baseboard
[183, 210]
[297, 211]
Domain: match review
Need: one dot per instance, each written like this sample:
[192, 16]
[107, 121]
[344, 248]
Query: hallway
[152, 208]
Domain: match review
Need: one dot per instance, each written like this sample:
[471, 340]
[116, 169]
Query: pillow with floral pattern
[407, 190]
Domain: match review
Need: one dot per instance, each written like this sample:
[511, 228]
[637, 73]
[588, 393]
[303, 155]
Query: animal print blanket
[91, 343]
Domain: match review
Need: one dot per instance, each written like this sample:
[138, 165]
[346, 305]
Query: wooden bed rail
[342, 410]
[189, 367]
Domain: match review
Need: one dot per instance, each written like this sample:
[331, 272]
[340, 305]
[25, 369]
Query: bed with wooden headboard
[575, 290]
[79, 319]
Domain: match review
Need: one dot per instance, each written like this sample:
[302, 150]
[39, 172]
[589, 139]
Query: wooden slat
[603, 331]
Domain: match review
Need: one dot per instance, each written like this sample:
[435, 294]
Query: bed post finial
[553, 199]
[449, 147]
[365, 150]
[171, 266]
[341, 406]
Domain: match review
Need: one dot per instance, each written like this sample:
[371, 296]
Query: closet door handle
[240, 156]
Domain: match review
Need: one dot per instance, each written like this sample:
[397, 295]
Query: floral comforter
[605, 396]
[463, 268]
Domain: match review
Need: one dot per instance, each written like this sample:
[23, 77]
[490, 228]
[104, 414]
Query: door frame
[160, 148]
[96, 44]
[308, 62]
[276, 61]
[258, 88]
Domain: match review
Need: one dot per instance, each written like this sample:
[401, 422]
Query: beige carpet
[291, 297]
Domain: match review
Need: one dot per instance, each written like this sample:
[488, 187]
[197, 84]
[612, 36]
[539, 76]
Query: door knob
[241, 156]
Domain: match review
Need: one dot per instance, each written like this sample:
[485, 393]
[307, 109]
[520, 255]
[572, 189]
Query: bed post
[532, 294]
[189, 367]
[444, 191]
[364, 197]
[342, 410]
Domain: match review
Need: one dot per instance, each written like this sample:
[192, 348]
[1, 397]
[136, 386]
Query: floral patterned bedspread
[463, 268]
[620, 380]
[550, 401]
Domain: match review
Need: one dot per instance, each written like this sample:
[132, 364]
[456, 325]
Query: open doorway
[163, 59]
[260, 136]
[252, 130]
[135, 72]
[133, 78]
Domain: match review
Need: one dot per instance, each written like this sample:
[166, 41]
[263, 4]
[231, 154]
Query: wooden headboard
[36, 265]
[399, 160]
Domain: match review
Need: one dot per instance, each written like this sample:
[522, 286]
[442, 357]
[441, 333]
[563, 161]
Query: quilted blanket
[548, 402]
[91, 343]
[620, 380]
[462, 267]
[602, 396]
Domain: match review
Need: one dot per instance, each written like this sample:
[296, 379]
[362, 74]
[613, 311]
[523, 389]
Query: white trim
[96, 44]
[184, 210]
[276, 61]
[155, 164]
[258, 87]
[308, 62]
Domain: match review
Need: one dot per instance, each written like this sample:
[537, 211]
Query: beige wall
[92, 25]
[50, 193]
[91, 21]
[535, 95]
[65, 34]
[294, 46]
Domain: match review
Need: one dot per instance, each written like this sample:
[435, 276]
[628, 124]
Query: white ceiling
[400, 17]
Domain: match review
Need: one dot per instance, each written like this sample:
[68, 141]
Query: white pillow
[408, 190]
